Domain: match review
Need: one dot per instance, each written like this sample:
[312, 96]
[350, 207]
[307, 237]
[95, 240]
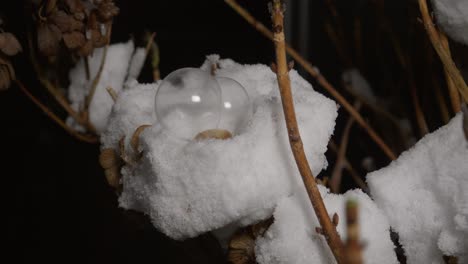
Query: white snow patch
[191, 187]
[424, 195]
[113, 75]
[359, 85]
[452, 16]
[292, 238]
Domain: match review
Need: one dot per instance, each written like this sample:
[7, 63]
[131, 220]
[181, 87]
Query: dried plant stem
[282, 73]
[55, 118]
[313, 71]
[353, 247]
[453, 92]
[335, 179]
[420, 118]
[154, 49]
[444, 56]
[56, 94]
[87, 71]
[96, 79]
[440, 100]
[349, 167]
[112, 93]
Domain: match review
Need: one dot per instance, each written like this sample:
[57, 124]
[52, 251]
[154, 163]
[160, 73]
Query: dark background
[59, 207]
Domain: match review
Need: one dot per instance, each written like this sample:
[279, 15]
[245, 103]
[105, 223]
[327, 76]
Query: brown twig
[353, 247]
[453, 92]
[313, 71]
[112, 93]
[446, 59]
[154, 49]
[349, 167]
[419, 113]
[96, 79]
[55, 118]
[441, 101]
[54, 91]
[335, 179]
[282, 73]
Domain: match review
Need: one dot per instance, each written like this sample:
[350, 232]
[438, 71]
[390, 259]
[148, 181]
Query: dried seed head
[108, 158]
[48, 39]
[74, 40]
[9, 45]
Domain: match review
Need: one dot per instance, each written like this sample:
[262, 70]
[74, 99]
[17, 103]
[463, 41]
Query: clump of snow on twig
[423, 193]
[114, 74]
[292, 239]
[191, 187]
[452, 16]
[359, 85]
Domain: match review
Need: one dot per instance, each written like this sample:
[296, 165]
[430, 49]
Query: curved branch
[313, 71]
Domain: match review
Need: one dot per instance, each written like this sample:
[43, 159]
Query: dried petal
[9, 44]
[65, 22]
[74, 6]
[74, 40]
[4, 79]
[48, 39]
[86, 49]
[107, 10]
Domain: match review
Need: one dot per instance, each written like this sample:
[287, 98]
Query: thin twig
[87, 71]
[335, 179]
[56, 94]
[353, 246]
[55, 118]
[313, 71]
[441, 101]
[154, 49]
[419, 113]
[446, 59]
[112, 93]
[96, 79]
[349, 167]
[453, 92]
[282, 73]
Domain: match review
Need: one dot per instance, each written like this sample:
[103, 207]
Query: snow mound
[115, 71]
[452, 16]
[423, 193]
[292, 238]
[191, 187]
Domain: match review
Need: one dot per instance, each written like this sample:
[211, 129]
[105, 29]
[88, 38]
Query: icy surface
[452, 16]
[190, 187]
[292, 238]
[424, 195]
[113, 75]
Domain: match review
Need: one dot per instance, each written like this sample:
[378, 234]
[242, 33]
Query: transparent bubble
[236, 106]
[188, 102]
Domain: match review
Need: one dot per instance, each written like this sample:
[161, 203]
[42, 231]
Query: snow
[292, 238]
[359, 85]
[452, 16]
[423, 193]
[113, 75]
[191, 187]
[136, 64]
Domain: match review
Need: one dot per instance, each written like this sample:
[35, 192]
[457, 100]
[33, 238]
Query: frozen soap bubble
[188, 102]
[236, 107]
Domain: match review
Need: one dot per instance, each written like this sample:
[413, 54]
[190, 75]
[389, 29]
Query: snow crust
[424, 195]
